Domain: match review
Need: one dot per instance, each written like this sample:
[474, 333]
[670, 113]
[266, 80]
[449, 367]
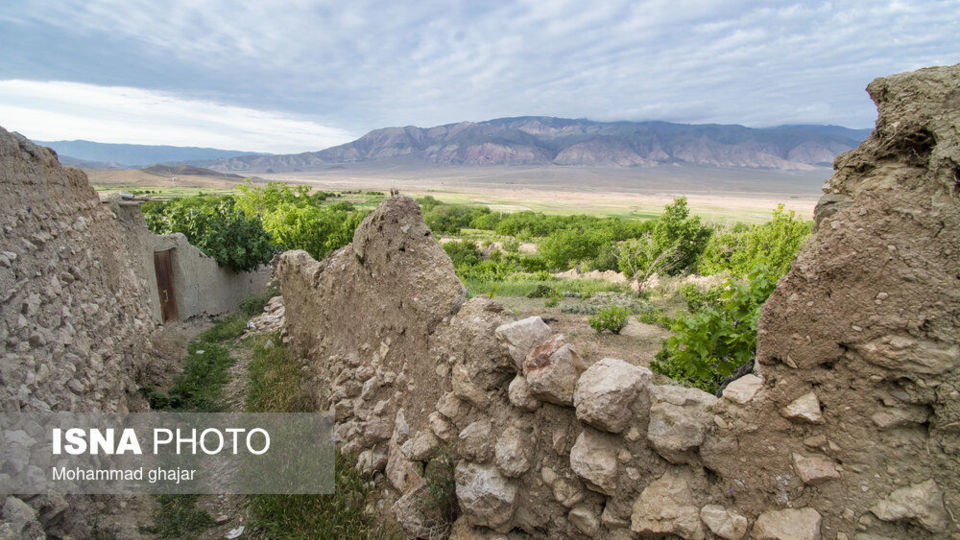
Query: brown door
[168, 300]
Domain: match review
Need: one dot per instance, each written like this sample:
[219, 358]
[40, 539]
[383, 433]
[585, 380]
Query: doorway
[168, 298]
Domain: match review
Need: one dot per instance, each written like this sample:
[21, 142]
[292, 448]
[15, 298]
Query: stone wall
[848, 428]
[73, 318]
[202, 287]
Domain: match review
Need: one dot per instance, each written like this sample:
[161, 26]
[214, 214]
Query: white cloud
[66, 110]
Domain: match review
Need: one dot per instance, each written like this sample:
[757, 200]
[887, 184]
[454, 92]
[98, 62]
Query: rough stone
[723, 522]
[921, 502]
[676, 431]
[551, 372]
[583, 518]
[512, 453]
[742, 390]
[476, 442]
[520, 396]
[791, 524]
[666, 506]
[486, 498]
[605, 392]
[594, 458]
[518, 338]
[814, 469]
[805, 408]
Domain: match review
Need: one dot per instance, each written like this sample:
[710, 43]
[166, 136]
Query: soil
[637, 343]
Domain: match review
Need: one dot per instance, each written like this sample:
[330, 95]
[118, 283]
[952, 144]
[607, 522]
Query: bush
[673, 245]
[217, 228]
[709, 345]
[316, 230]
[462, 253]
[612, 318]
[773, 244]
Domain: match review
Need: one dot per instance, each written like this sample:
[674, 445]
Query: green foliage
[177, 516]
[698, 299]
[542, 291]
[318, 231]
[673, 245]
[607, 258]
[339, 515]
[462, 253]
[565, 247]
[438, 501]
[741, 248]
[199, 387]
[451, 218]
[216, 227]
[612, 318]
[710, 344]
[277, 385]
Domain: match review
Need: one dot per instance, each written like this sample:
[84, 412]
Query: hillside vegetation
[518, 254]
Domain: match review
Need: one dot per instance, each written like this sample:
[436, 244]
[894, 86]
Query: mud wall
[73, 318]
[848, 428]
[202, 287]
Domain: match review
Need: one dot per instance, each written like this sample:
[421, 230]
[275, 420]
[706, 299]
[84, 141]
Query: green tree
[217, 228]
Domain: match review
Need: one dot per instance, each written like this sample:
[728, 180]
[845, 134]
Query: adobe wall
[848, 428]
[202, 287]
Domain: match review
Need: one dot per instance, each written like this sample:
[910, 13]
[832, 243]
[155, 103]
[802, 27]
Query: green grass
[163, 192]
[200, 386]
[523, 287]
[277, 385]
[178, 517]
[276, 381]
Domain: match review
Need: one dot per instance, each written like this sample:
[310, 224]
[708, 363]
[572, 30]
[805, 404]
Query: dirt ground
[637, 343]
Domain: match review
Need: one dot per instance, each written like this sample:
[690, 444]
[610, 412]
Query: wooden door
[168, 300]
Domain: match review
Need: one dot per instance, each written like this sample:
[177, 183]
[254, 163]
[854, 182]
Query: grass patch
[276, 385]
[276, 382]
[517, 288]
[178, 517]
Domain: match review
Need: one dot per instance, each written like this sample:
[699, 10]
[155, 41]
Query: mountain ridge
[91, 154]
[544, 140]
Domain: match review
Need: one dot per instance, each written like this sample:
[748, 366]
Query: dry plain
[721, 195]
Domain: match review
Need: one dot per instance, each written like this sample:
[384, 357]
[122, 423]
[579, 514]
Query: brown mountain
[543, 140]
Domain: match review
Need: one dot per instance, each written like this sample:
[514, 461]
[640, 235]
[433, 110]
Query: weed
[178, 517]
[612, 318]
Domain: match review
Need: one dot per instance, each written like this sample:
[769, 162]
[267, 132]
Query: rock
[420, 447]
[519, 394]
[464, 388]
[724, 523]
[805, 408]
[476, 442]
[370, 461]
[742, 390]
[567, 493]
[486, 498]
[890, 417]
[407, 511]
[666, 506]
[676, 432]
[402, 473]
[814, 469]
[921, 502]
[450, 406]
[18, 513]
[518, 338]
[594, 458]
[792, 524]
[605, 392]
[512, 453]
[681, 396]
[550, 371]
[443, 429]
[584, 519]
[906, 353]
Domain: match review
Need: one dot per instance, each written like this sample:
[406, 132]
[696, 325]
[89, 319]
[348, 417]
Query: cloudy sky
[298, 75]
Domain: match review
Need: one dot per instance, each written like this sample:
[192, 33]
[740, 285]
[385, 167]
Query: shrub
[612, 318]
[673, 245]
[773, 244]
[462, 253]
[707, 346]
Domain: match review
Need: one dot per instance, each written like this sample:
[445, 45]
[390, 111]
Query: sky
[300, 75]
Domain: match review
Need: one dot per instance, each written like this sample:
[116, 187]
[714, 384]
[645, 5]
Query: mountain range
[95, 155]
[540, 140]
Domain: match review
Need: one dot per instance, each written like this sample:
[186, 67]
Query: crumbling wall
[848, 429]
[202, 287]
[73, 320]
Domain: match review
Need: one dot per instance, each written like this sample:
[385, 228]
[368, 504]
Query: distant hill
[92, 155]
[186, 170]
[540, 140]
